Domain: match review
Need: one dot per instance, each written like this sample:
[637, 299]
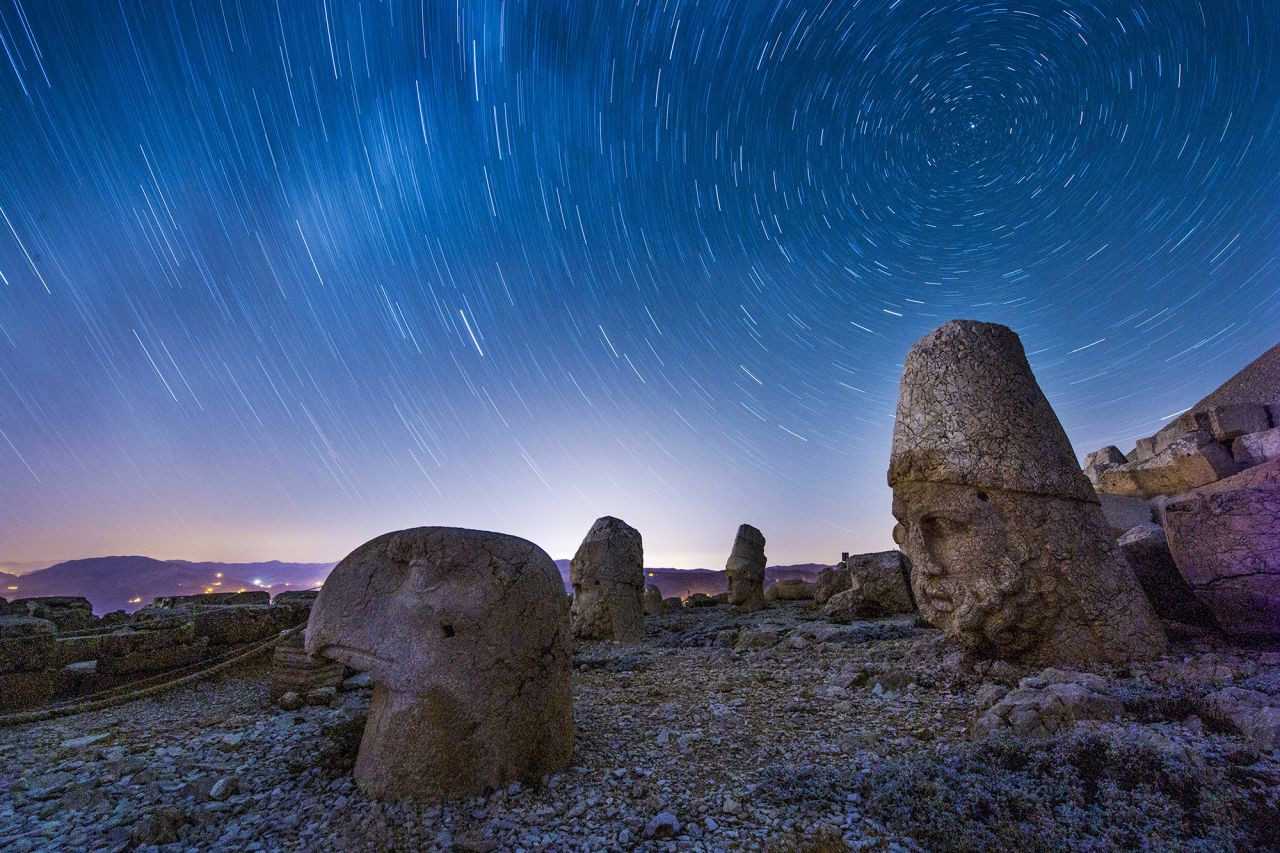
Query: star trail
[276, 277]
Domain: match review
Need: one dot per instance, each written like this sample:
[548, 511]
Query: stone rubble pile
[1211, 479]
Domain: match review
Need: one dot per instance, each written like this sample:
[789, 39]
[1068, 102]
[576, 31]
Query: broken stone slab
[67, 612]
[237, 624]
[292, 669]
[1256, 448]
[1040, 707]
[1226, 545]
[214, 599]
[1172, 598]
[1228, 423]
[1191, 461]
[22, 691]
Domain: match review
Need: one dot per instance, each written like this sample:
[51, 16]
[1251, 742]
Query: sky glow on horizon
[276, 278]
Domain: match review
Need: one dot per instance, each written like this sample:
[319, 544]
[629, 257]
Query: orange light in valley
[135, 600]
[12, 587]
[208, 589]
[217, 583]
[218, 575]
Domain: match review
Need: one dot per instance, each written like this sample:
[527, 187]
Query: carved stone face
[973, 573]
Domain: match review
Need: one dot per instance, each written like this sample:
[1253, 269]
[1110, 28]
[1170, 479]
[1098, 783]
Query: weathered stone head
[607, 573]
[1009, 550]
[466, 636]
[745, 570]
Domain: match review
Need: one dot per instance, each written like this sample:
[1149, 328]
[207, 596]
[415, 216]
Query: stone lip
[970, 412]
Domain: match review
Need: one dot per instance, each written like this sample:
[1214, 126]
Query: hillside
[123, 583]
[685, 582]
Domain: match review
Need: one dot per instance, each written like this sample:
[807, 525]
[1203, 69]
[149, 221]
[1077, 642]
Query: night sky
[276, 277]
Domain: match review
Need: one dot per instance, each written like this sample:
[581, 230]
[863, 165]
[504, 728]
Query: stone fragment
[830, 581]
[1042, 707]
[1124, 513]
[1171, 597]
[745, 570]
[213, 599]
[700, 599]
[290, 701]
[879, 585]
[1101, 460]
[1226, 544]
[652, 600]
[295, 671]
[466, 636]
[1256, 448]
[607, 574]
[672, 603]
[67, 612]
[1256, 715]
[790, 589]
[662, 825]
[1189, 462]
[1227, 423]
[1009, 551]
[841, 608]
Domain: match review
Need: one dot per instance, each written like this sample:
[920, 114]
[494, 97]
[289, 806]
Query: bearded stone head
[466, 637]
[1010, 554]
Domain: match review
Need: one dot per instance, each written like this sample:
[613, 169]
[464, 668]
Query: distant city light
[135, 600]
[218, 575]
[12, 587]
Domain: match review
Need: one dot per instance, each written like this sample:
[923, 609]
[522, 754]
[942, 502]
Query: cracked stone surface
[1009, 550]
[1226, 544]
[466, 637]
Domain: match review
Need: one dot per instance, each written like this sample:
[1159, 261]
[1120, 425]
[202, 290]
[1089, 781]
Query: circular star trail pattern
[277, 277]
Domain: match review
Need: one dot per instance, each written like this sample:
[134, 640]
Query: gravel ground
[774, 731]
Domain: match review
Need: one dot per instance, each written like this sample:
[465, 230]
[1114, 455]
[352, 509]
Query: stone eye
[447, 631]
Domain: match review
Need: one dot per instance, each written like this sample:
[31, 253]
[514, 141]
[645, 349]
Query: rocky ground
[775, 731]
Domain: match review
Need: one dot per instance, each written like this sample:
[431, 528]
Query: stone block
[75, 649]
[23, 691]
[1189, 462]
[1171, 597]
[292, 669]
[1228, 423]
[1256, 448]
[26, 644]
[1143, 450]
[248, 623]
[67, 612]
[154, 660]
[254, 596]
[1226, 545]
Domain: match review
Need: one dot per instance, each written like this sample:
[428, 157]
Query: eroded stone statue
[466, 636]
[1009, 550]
[607, 574]
[745, 570]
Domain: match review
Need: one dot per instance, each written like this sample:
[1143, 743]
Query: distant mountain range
[685, 582]
[128, 583]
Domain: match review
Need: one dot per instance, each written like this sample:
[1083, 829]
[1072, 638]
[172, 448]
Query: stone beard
[1001, 572]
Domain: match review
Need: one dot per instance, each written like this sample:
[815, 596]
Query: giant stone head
[466, 636]
[1009, 550]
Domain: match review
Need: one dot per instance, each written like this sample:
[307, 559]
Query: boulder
[1226, 544]
[607, 574]
[1009, 551]
[1172, 598]
[879, 585]
[1041, 707]
[672, 603]
[1227, 423]
[790, 589]
[745, 570]
[830, 581]
[842, 608]
[700, 599]
[466, 637]
[1256, 448]
[652, 600]
[243, 623]
[1101, 460]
